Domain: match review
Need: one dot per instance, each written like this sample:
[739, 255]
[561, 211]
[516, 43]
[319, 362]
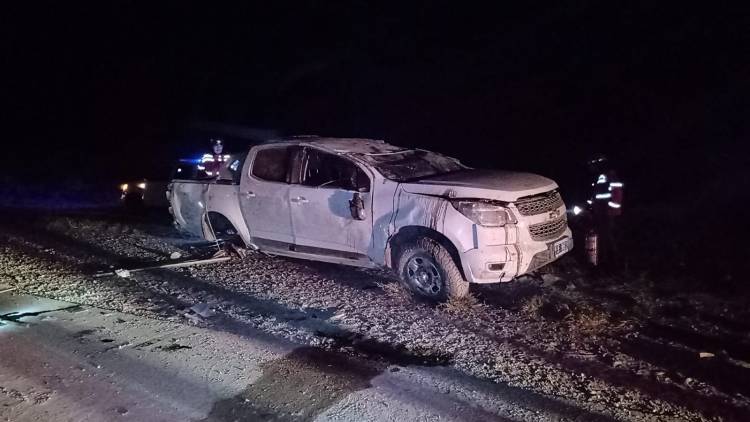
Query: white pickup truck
[437, 223]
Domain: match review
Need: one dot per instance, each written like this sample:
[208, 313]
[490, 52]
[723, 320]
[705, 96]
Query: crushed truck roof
[346, 145]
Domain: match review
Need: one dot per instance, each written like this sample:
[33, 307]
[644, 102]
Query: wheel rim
[423, 274]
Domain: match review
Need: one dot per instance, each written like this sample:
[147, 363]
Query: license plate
[562, 246]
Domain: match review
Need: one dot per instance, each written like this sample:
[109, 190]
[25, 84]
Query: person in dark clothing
[605, 203]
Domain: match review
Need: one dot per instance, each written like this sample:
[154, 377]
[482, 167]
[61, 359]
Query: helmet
[217, 142]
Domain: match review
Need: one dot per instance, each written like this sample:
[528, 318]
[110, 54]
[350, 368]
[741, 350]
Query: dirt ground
[565, 344]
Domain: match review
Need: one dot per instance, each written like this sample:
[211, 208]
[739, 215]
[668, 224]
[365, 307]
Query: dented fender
[419, 210]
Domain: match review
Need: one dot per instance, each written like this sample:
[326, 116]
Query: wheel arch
[214, 221]
[409, 234]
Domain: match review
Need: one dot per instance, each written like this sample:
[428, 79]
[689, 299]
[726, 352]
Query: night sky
[110, 91]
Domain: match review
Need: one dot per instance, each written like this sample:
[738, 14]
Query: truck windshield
[413, 165]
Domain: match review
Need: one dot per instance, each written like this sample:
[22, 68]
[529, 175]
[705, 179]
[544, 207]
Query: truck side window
[330, 171]
[185, 171]
[272, 164]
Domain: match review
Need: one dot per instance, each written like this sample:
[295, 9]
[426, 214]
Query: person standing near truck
[605, 203]
[211, 163]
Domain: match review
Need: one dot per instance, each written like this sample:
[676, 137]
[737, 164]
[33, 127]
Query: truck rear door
[264, 196]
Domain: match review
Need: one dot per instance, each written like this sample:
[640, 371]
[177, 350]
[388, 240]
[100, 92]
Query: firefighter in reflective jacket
[606, 207]
[211, 164]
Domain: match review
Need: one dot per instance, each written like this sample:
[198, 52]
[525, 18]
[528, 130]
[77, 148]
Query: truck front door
[264, 196]
[320, 206]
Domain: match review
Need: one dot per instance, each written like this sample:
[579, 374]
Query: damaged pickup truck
[437, 223]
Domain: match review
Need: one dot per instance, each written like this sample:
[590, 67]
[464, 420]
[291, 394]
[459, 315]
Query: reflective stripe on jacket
[212, 163]
[607, 194]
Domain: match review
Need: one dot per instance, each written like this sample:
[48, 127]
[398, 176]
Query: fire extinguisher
[592, 254]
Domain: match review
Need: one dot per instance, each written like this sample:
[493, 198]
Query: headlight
[141, 185]
[577, 210]
[483, 213]
[124, 187]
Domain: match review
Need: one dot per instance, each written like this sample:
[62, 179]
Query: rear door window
[272, 164]
[185, 171]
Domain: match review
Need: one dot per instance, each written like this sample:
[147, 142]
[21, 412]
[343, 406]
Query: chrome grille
[548, 229]
[538, 204]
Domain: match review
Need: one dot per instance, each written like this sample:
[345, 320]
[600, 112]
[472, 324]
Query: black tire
[427, 269]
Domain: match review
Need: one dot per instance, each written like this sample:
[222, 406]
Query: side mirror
[357, 207]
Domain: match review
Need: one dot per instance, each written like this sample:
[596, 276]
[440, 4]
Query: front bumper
[502, 263]
[499, 254]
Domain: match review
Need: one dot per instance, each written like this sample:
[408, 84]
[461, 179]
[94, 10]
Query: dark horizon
[110, 91]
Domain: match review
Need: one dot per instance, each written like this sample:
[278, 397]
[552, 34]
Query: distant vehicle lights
[125, 187]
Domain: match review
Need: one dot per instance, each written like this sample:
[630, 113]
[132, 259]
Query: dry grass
[464, 305]
[533, 306]
[454, 306]
[394, 290]
[589, 319]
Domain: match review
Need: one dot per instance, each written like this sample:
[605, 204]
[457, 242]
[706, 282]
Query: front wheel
[427, 269]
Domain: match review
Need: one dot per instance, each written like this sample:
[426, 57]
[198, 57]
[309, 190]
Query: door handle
[299, 200]
[250, 194]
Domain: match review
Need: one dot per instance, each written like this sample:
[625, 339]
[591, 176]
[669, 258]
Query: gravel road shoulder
[620, 348]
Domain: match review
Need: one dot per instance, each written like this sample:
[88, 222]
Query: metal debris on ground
[237, 250]
[219, 257]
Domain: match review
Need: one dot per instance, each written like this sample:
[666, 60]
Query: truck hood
[499, 185]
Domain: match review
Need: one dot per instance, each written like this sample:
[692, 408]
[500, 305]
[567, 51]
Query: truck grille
[548, 229]
[538, 204]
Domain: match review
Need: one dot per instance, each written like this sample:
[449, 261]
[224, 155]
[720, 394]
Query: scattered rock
[173, 347]
[203, 310]
[122, 273]
[193, 318]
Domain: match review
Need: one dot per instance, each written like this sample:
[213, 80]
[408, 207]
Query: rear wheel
[427, 269]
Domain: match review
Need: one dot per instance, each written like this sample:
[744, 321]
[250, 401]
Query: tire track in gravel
[664, 398]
